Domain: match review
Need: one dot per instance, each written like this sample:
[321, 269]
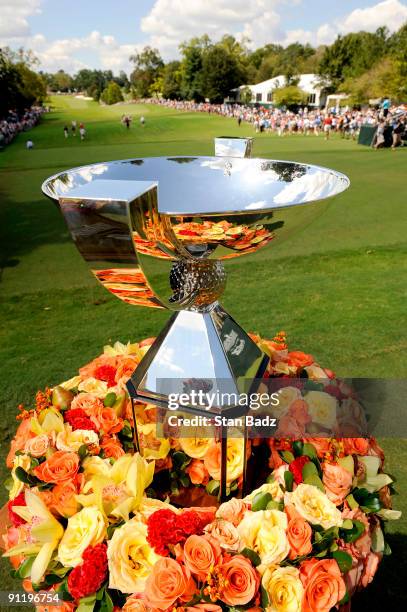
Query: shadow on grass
[388, 590]
[27, 226]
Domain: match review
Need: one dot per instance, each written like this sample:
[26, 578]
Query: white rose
[264, 532]
[322, 408]
[314, 506]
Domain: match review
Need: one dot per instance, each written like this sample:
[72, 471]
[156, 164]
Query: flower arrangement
[86, 524]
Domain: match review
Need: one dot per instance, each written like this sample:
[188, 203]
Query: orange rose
[242, 581]
[203, 607]
[135, 603]
[107, 421]
[63, 500]
[337, 482]
[355, 446]
[168, 581]
[111, 447]
[225, 533]
[298, 532]
[323, 585]
[23, 434]
[197, 472]
[323, 446]
[299, 359]
[232, 511]
[61, 466]
[201, 554]
[37, 446]
[370, 568]
[299, 411]
[288, 427]
[125, 368]
[89, 370]
[87, 402]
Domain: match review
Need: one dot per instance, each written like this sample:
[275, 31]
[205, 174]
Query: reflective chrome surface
[233, 146]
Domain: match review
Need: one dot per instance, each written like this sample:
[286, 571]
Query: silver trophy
[157, 231]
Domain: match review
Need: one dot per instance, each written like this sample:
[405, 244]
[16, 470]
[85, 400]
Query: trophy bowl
[156, 231]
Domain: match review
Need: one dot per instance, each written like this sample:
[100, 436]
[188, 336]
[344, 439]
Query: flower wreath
[85, 527]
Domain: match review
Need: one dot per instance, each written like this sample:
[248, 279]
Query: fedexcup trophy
[157, 231]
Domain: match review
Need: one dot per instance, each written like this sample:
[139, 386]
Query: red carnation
[88, 577]
[106, 373]
[17, 501]
[165, 528]
[78, 419]
[296, 466]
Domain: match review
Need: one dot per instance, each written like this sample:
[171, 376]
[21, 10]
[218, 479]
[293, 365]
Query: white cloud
[169, 22]
[14, 14]
[390, 13]
[172, 21]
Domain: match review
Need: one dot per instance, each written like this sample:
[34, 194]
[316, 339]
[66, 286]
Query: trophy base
[195, 351]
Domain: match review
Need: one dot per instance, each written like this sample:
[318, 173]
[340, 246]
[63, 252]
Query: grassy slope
[336, 287]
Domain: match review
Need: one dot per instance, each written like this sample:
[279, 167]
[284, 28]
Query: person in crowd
[14, 122]
[66, 132]
[73, 127]
[379, 140]
[327, 126]
[29, 144]
[142, 121]
[398, 129]
[82, 131]
[126, 120]
[385, 107]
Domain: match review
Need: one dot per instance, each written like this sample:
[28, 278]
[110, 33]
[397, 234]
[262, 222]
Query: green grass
[337, 287]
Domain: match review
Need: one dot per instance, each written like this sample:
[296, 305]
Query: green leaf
[24, 570]
[112, 528]
[353, 504]
[82, 451]
[297, 448]
[260, 501]
[110, 400]
[86, 604]
[24, 476]
[287, 456]
[309, 450]
[8, 483]
[184, 479]
[315, 480]
[309, 469]
[106, 603]
[369, 502]
[251, 555]
[344, 599]
[343, 559]
[354, 533]
[311, 385]
[213, 487]
[63, 592]
[274, 505]
[180, 460]
[264, 598]
[387, 549]
[288, 480]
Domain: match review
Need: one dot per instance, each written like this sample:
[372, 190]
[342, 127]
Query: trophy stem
[202, 350]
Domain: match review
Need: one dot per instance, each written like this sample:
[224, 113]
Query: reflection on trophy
[155, 233]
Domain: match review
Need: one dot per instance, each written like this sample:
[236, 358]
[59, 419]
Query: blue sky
[71, 34]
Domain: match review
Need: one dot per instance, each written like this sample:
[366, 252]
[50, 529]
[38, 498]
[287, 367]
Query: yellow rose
[130, 557]
[314, 506]
[284, 589]
[322, 408]
[197, 446]
[69, 440]
[72, 383]
[23, 461]
[264, 532]
[86, 528]
[272, 487]
[234, 459]
[92, 385]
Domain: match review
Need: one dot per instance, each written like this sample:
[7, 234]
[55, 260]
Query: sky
[75, 34]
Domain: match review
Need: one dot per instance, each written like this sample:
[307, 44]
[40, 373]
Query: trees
[112, 94]
[352, 55]
[19, 85]
[290, 96]
[172, 81]
[193, 53]
[220, 73]
[61, 81]
[148, 65]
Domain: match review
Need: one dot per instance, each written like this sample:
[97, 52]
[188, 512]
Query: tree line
[363, 64]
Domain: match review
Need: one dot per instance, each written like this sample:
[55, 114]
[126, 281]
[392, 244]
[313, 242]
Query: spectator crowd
[14, 123]
[345, 120]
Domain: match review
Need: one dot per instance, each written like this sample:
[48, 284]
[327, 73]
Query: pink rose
[232, 511]
[87, 402]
